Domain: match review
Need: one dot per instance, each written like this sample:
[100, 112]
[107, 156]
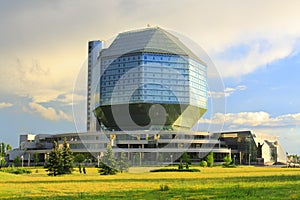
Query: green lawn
[139, 183]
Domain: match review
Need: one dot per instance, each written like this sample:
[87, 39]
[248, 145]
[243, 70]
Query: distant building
[245, 145]
[241, 145]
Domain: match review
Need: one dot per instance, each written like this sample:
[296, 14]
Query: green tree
[203, 163]
[227, 160]
[186, 159]
[17, 161]
[8, 147]
[79, 158]
[123, 163]
[2, 161]
[210, 159]
[2, 148]
[54, 166]
[67, 158]
[36, 158]
[108, 165]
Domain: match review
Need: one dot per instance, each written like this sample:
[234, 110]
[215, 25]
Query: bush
[210, 159]
[203, 163]
[227, 161]
[13, 170]
[164, 187]
[180, 166]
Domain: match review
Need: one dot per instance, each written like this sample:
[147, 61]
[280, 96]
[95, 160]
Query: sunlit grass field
[139, 183]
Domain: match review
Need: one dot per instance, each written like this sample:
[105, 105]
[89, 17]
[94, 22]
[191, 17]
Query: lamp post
[22, 159]
[171, 156]
[98, 157]
[234, 156]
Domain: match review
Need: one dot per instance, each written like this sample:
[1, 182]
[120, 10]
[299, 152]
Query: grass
[210, 183]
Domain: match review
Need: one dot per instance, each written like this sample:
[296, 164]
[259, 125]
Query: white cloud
[49, 60]
[253, 119]
[47, 112]
[260, 54]
[5, 105]
[71, 99]
[227, 91]
[40, 83]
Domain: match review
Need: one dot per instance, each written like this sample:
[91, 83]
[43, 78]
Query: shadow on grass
[281, 178]
[235, 192]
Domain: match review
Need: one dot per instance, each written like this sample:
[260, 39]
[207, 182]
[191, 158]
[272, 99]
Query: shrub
[210, 159]
[227, 161]
[13, 170]
[164, 187]
[203, 163]
[180, 166]
[187, 166]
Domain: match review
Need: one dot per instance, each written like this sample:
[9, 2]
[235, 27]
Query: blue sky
[254, 45]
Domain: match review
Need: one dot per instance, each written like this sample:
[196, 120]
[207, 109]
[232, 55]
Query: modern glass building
[150, 80]
[94, 47]
[144, 94]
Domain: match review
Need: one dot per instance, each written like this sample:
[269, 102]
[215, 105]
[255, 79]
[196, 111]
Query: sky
[254, 45]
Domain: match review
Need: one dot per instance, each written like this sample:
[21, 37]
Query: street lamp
[22, 159]
[234, 156]
[98, 157]
[171, 156]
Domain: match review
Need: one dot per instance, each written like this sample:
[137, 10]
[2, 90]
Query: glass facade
[94, 47]
[150, 70]
[153, 78]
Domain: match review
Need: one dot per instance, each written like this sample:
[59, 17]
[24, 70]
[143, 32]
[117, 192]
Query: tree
[8, 147]
[79, 158]
[2, 149]
[2, 161]
[55, 161]
[60, 160]
[17, 161]
[210, 159]
[67, 158]
[123, 163]
[36, 158]
[108, 163]
[227, 160]
[186, 159]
